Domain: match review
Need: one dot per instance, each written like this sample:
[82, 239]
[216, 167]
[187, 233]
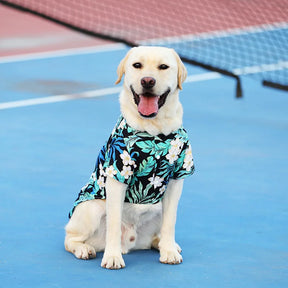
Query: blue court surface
[233, 216]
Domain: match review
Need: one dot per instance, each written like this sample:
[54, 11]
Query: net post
[239, 93]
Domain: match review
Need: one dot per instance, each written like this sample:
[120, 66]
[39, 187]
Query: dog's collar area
[160, 100]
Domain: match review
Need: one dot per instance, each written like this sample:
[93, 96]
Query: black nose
[148, 82]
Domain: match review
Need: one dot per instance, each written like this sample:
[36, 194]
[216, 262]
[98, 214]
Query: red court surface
[22, 33]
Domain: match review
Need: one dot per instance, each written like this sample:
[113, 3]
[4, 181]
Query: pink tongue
[148, 105]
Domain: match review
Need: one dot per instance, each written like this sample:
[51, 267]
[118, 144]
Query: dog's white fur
[114, 226]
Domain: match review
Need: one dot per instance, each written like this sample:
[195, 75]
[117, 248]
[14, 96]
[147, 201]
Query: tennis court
[57, 110]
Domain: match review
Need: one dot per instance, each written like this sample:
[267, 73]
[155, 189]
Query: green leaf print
[130, 142]
[162, 148]
[141, 135]
[134, 194]
[145, 192]
[146, 146]
[165, 169]
[153, 148]
[146, 166]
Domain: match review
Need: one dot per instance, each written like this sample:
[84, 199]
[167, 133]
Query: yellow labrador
[131, 199]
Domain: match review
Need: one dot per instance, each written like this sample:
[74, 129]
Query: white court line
[203, 77]
[60, 98]
[113, 47]
[92, 93]
[281, 65]
[217, 34]
[116, 90]
[61, 53]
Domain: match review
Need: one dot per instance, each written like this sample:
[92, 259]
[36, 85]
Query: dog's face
[152, 75]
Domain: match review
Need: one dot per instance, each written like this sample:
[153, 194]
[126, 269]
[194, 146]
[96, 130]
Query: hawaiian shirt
[142, 161]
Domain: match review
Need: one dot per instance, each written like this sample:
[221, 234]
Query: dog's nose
[148, 82]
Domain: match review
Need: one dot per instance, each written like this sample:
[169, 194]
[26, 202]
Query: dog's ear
[182, 72]
[121, 67]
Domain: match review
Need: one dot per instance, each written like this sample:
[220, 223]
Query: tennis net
[235, 38]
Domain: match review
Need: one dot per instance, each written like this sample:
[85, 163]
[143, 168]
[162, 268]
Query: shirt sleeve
[184, 166]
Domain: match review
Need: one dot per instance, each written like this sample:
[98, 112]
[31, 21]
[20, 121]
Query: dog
[131, 199]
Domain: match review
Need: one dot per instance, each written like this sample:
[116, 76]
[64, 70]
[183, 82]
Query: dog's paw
[112, 261]
[84, 251]
[178, 248]
[124, 251]
[171, 256]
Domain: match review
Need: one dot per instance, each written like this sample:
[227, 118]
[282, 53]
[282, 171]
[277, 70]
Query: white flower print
[188, 160]
[174, 151]
[101, 170]
[126, 159]
[188, 165]
[101, 182]
[156, 181]
[126, 172]
[110, 171]
[176, 144]
[172, 155]
[162, 189]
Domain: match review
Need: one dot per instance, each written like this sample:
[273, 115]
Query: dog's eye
[163, 67]
[137, 65]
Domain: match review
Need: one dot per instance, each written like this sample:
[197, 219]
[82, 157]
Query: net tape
[235, 38]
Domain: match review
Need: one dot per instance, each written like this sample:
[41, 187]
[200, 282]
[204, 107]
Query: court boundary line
[115, 90]
[92, 93]
[280, 65]
[62, 53]
[218, 33]
[60, 98]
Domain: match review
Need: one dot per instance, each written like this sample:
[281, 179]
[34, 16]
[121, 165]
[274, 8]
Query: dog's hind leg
[85, 224]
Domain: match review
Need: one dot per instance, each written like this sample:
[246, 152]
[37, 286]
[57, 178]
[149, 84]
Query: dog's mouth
[148, 103]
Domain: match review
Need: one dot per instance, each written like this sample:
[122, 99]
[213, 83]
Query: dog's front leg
[169, 250]
[115, 193]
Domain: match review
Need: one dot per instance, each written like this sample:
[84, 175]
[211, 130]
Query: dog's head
[152, 75]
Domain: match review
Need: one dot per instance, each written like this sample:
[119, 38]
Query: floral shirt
[142, 161]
